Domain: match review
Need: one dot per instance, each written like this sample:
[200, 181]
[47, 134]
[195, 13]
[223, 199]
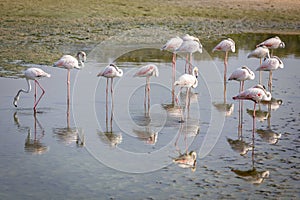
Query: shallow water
[45, 156]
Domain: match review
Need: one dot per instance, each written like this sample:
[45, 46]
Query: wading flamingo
[32, 74]
[225, 45]
[189, 45]
[242, 74]
[187, 81]
[272, 43]
[110, 72]
[270, 64]
[256, 94]
[260, 52]
[69, 62]
[147, 71]
[172, 45]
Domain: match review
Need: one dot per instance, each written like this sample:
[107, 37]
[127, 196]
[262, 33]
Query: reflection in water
[187, 159]
[223, 107]
[68, 135]
[260, 115]
[268, 135]
[108, 136]
[239, 145]
[33, 145]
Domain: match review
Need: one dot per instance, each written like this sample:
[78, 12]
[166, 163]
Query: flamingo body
[35, 74]
[172, 44]
[225, 45]
[256, 93]
[270, 64]
[190, 46]
[259, 52]
[111, 71]
[272, 43]
[188, 80]
[241, 74]
[70, 62]
[147, 71]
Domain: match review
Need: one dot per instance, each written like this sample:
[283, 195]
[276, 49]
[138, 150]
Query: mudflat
[40, 31]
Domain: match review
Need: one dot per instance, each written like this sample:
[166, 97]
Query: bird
[270, 64]
[256, 94]
[147, 71]
[242, 74]
[32, 74]
[69, 62]
[272, 43]
[225, 45]
[187, 81]
[171, 45]
[260, 52]
[110, 72]
[189, 45]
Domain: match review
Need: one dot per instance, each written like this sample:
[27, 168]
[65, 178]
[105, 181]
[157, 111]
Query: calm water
[130, 157]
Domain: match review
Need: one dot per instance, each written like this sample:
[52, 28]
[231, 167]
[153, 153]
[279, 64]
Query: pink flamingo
[69, 62]
[110, 72]
[172, 45]
[32, 74]
[225, 45]
[272, 43]
[147, 71]
[270, 64]
[256, 94]
[187, 81]
[189, 45]
[260, 52]
[242, 74]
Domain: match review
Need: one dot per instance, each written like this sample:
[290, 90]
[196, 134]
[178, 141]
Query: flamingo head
[195, 72]
[81, 57]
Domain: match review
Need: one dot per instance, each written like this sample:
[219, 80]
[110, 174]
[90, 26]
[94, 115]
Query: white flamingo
[270, 64]
[32, 74]
[172, 45]
[272, 43]
[147, 71]
[110, 72]
[242, 74]
[189, 45]
[260, 52]
[187, 81]
[69, 62]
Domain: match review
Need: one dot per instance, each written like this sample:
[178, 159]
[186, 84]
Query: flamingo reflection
[187, 159]
[69, 134]
[33, 144]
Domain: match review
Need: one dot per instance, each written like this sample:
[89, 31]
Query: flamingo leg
[186, 62]
[190, 63]
[148, 90]
[270, 81]
[106, 91]
[260, 72]
[112, 97]
[254, 111]
[35, 91]
[173, 76]
[68, 88]
[43, 92]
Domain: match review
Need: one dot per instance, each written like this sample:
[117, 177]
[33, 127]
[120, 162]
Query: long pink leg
[173, 76]
[186, 62]
[270, 81]
[190, 63]
[43, 92]
[68, 87]
[112, 97]
[148, 91]
[260, 72]
[106, 91]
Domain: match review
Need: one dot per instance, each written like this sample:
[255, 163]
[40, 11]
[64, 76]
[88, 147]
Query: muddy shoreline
[32, 34]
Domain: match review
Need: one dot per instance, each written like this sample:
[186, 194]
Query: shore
[41, 31]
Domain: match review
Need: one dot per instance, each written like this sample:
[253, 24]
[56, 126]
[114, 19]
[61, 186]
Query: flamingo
[242, 74]
[187, 160]
[69, 62]
[110, 72]
[260, 52]
[172, 45]
[147, 71]
[272, 43]
[32, 74]
[256, 94]
[225, 45]
[270, 64]
[187, 81]
[190, 45]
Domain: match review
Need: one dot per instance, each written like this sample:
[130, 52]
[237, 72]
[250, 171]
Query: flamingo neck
[22, 90]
